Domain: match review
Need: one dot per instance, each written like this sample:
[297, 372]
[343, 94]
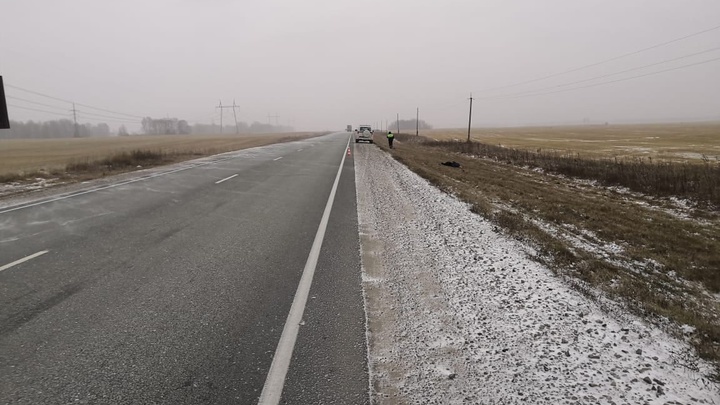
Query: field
[673, 142]
[32, 155]
[656, 252]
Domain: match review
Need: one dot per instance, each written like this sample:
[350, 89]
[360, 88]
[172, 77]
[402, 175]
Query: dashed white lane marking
[278, 158]
[122, 183]
[226, 179]
[143, 178]
[272, 390]
[299, 150]
[23, 260]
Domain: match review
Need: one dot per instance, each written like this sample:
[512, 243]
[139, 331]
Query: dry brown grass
[675, 142]
[24, 163]
[659, 258]
[19, 156]
[699, 182]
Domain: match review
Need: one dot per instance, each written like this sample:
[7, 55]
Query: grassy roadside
[33, 164]
[658, 256]
[699, 181]
[84, 169]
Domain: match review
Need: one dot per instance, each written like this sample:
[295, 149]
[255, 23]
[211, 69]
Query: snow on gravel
[458, 313]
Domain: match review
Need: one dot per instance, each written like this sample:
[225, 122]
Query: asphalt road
[174, 286]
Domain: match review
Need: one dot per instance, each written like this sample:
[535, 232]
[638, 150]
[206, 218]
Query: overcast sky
[321, 64]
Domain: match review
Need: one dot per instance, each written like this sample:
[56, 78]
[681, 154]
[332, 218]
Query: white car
[364, 133]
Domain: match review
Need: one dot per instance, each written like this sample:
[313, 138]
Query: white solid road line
[226, 178]
[272, 390]
[23, 260]
[278, 158]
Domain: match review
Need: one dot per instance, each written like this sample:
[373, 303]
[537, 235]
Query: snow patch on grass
[475, 320]
[38, 183]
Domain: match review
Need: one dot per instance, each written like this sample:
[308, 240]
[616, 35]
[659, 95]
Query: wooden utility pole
[398, 123]
[220, 106]
[470, 117]
[237, 129]
[417, 122]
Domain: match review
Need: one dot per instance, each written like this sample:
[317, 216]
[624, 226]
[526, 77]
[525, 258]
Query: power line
[71, 102]
[38, 94]
[618, 80]
[64, 115]
[643, 67]
[604, 61]
[110, 111]
[119, 119]
[600, 77]
[38, 110]
[35, 102]
[86, 118]
[89, 115]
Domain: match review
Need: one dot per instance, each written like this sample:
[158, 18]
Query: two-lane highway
[175, 286]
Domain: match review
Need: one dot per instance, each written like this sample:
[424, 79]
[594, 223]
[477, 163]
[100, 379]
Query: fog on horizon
[323, 64]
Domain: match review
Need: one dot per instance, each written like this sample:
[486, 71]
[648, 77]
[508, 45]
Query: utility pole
[237, 129]
[220, 106]
[77, 130]
[470, 117]
[275, 117]
[398, 123]
[417, 122]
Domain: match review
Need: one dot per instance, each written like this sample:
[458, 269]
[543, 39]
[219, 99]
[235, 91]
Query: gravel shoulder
[458, 312]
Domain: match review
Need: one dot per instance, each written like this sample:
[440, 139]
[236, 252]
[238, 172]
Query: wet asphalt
[174, 289]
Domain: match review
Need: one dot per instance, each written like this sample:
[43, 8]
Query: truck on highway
[349, 128]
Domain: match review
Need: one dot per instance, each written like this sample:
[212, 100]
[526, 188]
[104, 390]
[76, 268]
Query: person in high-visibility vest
[390, 137]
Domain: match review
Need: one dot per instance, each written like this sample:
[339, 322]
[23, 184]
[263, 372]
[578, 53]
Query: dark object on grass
[451, 164]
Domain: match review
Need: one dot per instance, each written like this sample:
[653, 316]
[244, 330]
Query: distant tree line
[242, 127]
[168, 126]
[165, 126]
[406, 125]
[63, 128]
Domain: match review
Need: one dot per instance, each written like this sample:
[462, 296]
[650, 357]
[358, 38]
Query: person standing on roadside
[390, 137]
